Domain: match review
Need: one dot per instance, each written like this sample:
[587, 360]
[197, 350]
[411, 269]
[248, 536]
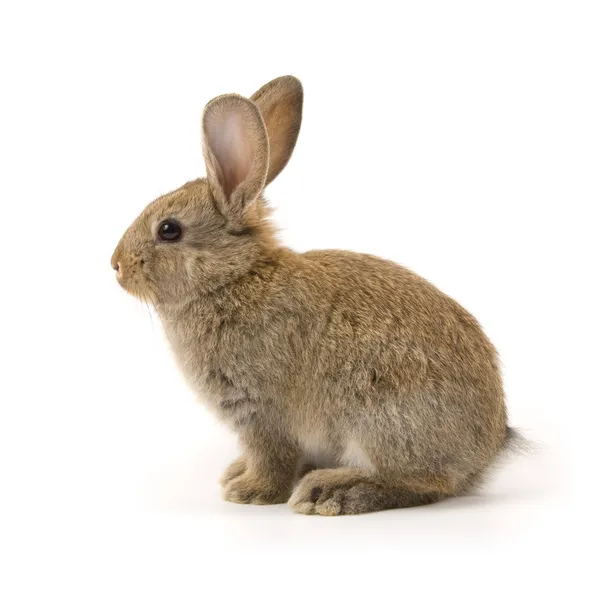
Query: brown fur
[354, 384]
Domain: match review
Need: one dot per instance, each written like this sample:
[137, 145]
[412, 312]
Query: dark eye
[169, 231]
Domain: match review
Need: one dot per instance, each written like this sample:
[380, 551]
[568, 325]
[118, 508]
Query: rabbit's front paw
[251, 489]
[235, 469]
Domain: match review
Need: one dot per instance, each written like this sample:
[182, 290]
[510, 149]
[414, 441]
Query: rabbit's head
[211, 231]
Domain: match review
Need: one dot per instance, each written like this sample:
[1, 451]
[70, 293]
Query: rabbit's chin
[141, 292]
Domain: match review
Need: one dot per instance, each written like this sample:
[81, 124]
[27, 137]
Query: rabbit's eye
[169, 231]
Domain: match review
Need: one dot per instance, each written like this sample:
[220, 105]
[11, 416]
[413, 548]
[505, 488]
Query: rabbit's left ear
[236, 152]
[280, 104]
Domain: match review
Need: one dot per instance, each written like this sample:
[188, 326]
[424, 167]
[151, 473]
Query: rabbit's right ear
[236, 152]
[280, 104]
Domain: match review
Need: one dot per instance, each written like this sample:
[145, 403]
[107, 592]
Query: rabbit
[353, 384]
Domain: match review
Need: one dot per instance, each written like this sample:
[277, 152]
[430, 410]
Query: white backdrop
[460, 139]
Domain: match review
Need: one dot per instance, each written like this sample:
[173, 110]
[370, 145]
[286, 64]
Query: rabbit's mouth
[132, 280]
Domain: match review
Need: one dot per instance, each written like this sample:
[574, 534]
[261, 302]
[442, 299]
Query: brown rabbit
[354, 385]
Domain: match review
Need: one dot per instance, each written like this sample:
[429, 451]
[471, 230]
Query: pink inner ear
[228, 140]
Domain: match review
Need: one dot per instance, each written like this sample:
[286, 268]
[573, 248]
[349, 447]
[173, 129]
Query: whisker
[149, 311]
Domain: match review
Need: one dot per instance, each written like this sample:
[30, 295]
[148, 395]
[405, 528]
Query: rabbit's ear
[236, 152]
[280, 103]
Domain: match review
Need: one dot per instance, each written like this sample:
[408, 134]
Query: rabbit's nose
[117, 267]
[115, 263]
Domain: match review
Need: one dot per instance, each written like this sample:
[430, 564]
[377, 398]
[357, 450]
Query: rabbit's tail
[516, 442]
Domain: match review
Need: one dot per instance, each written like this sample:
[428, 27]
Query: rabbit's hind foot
[345, 491]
